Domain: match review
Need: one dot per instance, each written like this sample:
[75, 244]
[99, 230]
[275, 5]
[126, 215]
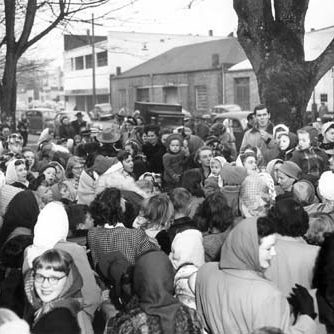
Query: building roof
[198, 56]
[315, 42]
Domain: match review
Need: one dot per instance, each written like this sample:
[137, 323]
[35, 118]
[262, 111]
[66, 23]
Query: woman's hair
[244, 156]
[72, 161]
[158, 210]
[19, 162]
[320, 224]
[106, 207]
[289, 216]
[324, 269]
[134, 145]
[265, 227]
[55, 259]
[181, 199]
[123, 155]
[214, 212]
[46, 167]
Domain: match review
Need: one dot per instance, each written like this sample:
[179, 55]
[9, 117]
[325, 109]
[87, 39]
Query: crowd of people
[148, 229]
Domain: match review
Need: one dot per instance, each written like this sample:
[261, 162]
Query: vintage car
[237, 121]
[39, 118]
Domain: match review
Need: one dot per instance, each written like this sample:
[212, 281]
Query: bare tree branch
[324, 62]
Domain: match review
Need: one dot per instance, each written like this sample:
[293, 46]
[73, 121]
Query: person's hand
[264, 135]
[301, 301]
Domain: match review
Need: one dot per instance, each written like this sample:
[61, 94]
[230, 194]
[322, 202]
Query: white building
[119, 51]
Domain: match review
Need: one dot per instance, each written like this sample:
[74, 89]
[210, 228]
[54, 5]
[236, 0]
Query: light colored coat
[293, 263]
[240, 301]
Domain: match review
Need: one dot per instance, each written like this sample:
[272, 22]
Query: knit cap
[326, 188]
[290, 169]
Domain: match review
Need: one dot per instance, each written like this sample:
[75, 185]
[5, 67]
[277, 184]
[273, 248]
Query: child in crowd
[174, 161]
[181, 200]
[312, 160]
[216, 166]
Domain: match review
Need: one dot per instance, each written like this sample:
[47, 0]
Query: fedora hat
[79, 114]
[111, 134]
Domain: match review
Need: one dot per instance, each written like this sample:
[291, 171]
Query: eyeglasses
[52, 280]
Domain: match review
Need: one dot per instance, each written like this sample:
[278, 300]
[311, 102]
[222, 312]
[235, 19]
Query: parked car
[39, 118]
[101, 111]
[162, 114]
[222, 108]
[54, 124]
[237, 121]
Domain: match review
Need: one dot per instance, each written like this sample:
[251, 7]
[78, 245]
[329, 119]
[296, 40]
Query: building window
[323, 98]
[201, 98]
[80, 102]
[79, 63]
[89, 61]
[102, 98]
[170, 95]
[241, 93]
[122, 97]
[143, 95]
[102, 59]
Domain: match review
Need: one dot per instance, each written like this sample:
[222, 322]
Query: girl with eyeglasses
[53, 290]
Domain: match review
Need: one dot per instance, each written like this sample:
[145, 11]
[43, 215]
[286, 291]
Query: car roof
[232, 115]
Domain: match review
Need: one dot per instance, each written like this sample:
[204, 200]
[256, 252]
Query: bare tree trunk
[273, 40]
[9, 85]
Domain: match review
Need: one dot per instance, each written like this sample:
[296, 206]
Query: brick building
[192, 75]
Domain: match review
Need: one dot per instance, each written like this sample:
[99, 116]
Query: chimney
[118, 70]
[215, 60]
[210, 32]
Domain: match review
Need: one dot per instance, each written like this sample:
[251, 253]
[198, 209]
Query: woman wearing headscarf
[53, 291]
[16, 173]
[51, 231]
[154, 309]
[257, 193]
[22, 211]
[232, 296]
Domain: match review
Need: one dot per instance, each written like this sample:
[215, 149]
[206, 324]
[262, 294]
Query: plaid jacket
[130, 242]
[312, 161]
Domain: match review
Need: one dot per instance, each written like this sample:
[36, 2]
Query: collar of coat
[269, 128]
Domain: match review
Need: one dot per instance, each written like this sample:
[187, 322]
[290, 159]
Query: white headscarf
[52, 226]
[11, 175]
[187, 247]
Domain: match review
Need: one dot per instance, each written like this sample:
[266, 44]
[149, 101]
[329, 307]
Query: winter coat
[286, 270]
[232, 296]
[174, 166]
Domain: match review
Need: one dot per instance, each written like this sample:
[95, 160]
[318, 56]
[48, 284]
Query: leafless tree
[273, 39]
[20, 32]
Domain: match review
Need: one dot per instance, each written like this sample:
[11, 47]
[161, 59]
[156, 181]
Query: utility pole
[93, 62]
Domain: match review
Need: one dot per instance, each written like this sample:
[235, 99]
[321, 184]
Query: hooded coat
[232, 296]
[51, 231]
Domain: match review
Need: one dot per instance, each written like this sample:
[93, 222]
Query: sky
[174, 16]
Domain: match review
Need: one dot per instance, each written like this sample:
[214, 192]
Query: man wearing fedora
[109, 140]
[79, 124]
